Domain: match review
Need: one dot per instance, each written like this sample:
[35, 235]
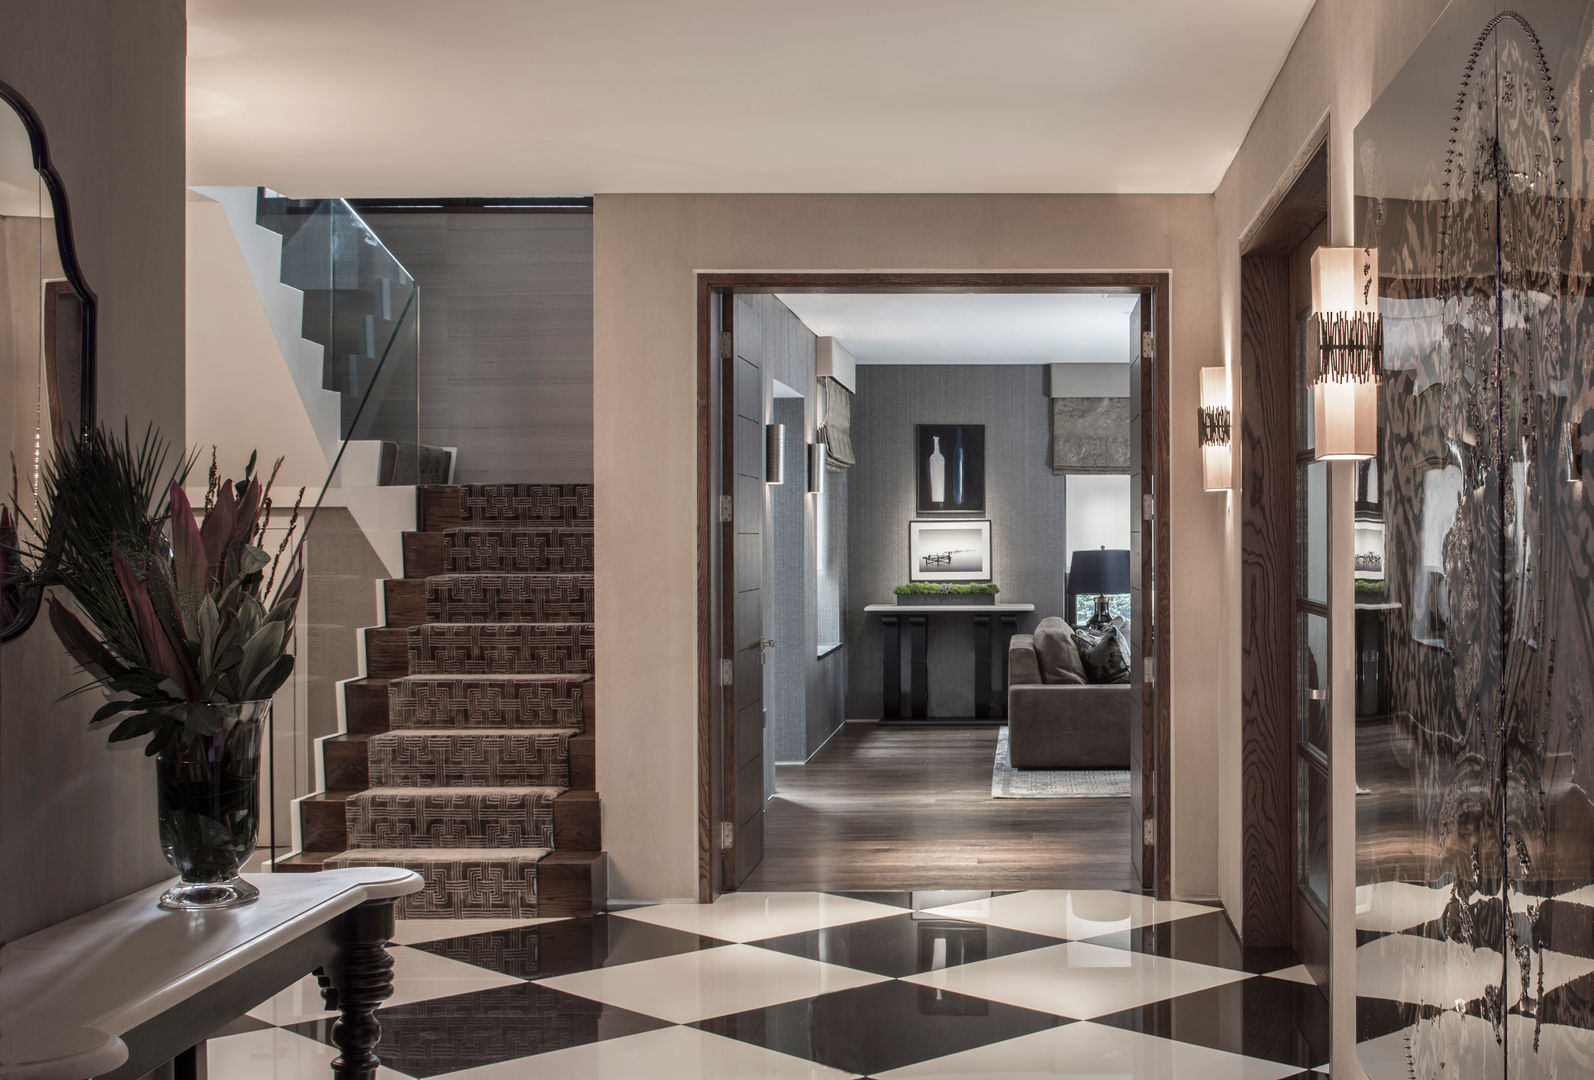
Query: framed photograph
[949, 550]
[949, 463]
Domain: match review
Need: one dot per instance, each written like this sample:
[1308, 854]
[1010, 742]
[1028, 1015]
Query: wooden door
[1142, 594]
[742, 837]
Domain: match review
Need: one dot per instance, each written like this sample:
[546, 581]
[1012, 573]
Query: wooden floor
[893, 808]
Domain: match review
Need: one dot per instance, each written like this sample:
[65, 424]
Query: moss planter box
[943, 599]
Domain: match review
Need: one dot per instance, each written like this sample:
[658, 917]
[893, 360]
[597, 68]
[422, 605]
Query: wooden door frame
[712, 567]
[1268, 586]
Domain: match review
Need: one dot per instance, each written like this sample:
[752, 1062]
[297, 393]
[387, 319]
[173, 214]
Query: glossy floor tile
[1087, 1050]
[811, 986]
[1071, 913]
[1078, 980]
[714, 982]
[417, 976]
[416, 931]
[749, 916]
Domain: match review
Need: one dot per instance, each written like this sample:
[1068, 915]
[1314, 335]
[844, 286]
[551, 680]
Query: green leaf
[110, 709]
[201, 719]
[252, 559]
[261, 651]
[270, 681]
[208, 623]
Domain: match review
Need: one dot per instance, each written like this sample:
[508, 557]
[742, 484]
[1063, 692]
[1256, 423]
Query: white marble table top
[113, 968]
[930, 609]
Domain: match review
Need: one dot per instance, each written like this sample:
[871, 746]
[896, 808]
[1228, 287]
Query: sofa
[1062, 724]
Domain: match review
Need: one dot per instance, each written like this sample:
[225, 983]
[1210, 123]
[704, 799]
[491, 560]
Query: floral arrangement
[179, 616]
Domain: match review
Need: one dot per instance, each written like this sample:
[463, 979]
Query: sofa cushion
[1059, 658]
[1105, 656]
[1023, 669]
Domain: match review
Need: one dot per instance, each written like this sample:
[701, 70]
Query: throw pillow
[1059, 658]
[1106, 661]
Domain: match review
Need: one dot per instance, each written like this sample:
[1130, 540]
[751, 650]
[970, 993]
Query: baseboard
[621, 903]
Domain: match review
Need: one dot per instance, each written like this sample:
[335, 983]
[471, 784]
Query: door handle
[1317, 695]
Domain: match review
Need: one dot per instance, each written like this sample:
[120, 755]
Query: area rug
[1010, 783]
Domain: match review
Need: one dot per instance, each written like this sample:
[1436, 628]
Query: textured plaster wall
[77, 819]
[647, 252]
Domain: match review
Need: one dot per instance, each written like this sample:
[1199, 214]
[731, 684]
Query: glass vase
[208, 794]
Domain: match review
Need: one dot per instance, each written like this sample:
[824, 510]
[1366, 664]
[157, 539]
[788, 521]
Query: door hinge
[726, 345]
[727, 509]
[1148, 831]
[727, 672]
[1148, 506]
[1146, 342]
[727, 836]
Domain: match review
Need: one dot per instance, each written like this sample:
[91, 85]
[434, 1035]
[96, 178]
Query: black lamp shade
[1104, 570]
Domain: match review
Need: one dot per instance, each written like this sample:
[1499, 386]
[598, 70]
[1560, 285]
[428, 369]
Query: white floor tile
[1392, 906]
[1298, 974]
[419, 931]
[1072, 913]
[1078, 980]
[275, 1055]
[1403, 967]
[676, 1053]
[712, 982]
[417, 976]
[752, 916]
[1092, 1052]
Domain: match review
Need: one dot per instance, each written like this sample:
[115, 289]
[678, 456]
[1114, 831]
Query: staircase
[468, 754]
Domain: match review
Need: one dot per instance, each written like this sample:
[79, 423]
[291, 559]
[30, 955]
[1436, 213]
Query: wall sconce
[1574, 452]
[1215, 427]
[1350, 344]
[816, 468]
[774, 453]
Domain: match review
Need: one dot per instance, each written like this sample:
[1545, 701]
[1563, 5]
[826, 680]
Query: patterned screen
[1475, 620]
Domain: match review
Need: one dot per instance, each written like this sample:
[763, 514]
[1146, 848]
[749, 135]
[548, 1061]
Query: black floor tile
[445, 1035]
[885, 1026]
[1200, 939]
[570, 945]
[1377, 1017]
[1571, 1004]
[1266, 1018]
[1565, 927]
[906, 944]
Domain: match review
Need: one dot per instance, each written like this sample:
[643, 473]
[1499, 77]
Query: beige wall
[1346, 53]
[77, 819]
[646, 252]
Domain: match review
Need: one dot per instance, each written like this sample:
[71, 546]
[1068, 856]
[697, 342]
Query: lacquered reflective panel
[1475, 635]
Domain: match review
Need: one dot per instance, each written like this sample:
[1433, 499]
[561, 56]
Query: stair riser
[441, 819]
[423, 760]
[500, 650]
[423, 554]
[498, 598]
[518, 551]
[486, 888]
[365, 705]
[415, 703]
[531, 504]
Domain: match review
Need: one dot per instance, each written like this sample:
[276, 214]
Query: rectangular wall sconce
[816, 468]
[1350, 344]
[1215, 427]
[774, 453]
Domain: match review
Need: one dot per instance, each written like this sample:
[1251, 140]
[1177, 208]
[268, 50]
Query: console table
[124, 988]
[917, 617]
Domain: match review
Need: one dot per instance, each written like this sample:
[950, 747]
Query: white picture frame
[949, 550]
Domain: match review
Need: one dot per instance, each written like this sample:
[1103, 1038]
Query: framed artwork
[949, 550]
[949, 464]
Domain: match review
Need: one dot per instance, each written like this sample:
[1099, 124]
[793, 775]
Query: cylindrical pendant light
[1350, 344]
[774, 453]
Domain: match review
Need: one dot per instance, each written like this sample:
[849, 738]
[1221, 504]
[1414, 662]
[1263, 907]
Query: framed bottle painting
[949, 464]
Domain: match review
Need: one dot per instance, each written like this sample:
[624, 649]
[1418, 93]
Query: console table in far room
[917, 617]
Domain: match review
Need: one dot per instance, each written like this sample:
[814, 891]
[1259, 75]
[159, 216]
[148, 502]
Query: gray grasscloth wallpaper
[506, 339]
[1023, 499]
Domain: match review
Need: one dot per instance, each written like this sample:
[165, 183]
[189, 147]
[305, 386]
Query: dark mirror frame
[70, 321]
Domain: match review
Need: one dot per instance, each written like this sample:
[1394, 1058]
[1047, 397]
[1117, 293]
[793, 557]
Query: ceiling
[527, 97]
[972, 328]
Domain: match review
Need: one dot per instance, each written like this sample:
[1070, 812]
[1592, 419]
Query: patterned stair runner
[478, 746]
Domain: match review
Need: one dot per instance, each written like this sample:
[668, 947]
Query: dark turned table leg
[1005, 642]
[982, 666]
[891, 667]
[919, 666]
[191, 1064]
[361, 979]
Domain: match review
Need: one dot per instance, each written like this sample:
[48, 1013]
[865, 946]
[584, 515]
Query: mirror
[46, 334]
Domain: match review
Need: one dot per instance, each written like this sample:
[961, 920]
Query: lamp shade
[1099, 571]
[1216, 430]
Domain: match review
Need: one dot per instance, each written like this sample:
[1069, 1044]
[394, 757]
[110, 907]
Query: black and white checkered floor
[817, 985]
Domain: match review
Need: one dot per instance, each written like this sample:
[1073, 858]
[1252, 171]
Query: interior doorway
[746, 436]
